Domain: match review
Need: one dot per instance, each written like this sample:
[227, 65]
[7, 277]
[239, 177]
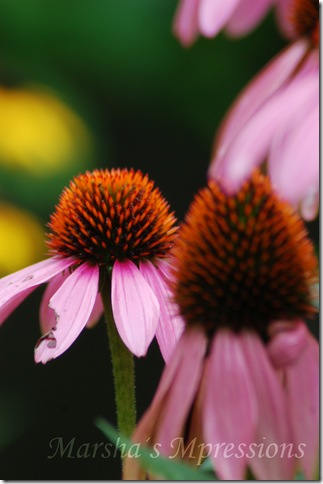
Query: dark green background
[150, 104]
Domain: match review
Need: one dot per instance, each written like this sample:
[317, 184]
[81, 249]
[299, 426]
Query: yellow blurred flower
[38, 132]
[21, 239]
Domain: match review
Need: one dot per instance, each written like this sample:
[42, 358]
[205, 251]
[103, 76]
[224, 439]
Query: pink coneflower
[236, 17]
[110, 227]
[276, 118]
[243, 275]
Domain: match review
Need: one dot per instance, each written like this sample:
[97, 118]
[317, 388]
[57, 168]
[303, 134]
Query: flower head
[276, 119]
[108, 225]
[242, 281]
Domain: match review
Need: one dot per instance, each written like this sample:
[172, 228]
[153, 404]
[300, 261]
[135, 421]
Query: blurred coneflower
[245, 371]
[276, 119]
[112, 229]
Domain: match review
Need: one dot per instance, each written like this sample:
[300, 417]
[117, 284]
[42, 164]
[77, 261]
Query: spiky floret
[304, 16]
[111, 214]
[243, 260]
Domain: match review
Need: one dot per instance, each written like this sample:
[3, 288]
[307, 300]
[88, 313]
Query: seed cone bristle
[111, 214]
[243, 260]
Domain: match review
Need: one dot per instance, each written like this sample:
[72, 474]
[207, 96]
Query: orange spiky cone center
[243, 260]
[111, 214]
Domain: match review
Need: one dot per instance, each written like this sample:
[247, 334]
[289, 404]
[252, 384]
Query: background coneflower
[243, 277]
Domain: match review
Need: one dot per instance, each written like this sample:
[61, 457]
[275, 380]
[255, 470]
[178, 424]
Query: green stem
[123, 370]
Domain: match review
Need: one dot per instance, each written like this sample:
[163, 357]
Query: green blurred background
[137, 98]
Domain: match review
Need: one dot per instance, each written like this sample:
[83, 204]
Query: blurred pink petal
[230, 406]
[184, 388]
[303, 390]
[171, 325]
[135, 307]
[185, 21]
[253, 141]
[296, 353]
[213, 15]
[247, 15]
[283, 12]
[72, 304]
[273, 427]
[16, 287]
[255, 94]
[286, 159]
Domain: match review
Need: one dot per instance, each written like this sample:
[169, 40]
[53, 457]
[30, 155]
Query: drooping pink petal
[247, 15]
[273, 430]
[303, 383]
[212, 16]
[251, 145]
[181, 394]
[192, 342]
[171, 325]
[310, 203]
[16, 287]
[72, 304]
[185, 26]
[294, 159]
[135, 307]
[46, 314]
[230, 406]
[256, 93]
[97, 312]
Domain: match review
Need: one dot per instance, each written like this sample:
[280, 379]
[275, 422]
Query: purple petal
[171, 325]
[135, 307]
[273, 430]
[185, 22]
[230, 407]
[247, 15]
[16, 287]
[283, 11]
[72, 304]
[213, 15]
[287, 344]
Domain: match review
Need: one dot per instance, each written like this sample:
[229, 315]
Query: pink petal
[286, 346]
[303, 382]
[310, 203]
[46, 314]
[294, 159]
[135, 307]
[191, 346]
[213, 15]
[247, 15]
[273, 430]
[283, 11]
[185, 22]
[97, 312]
[171, 325]
[230, 407]
[73, 304]
[256, 93]
[16, 287]
[183, 389]
[252, 143]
